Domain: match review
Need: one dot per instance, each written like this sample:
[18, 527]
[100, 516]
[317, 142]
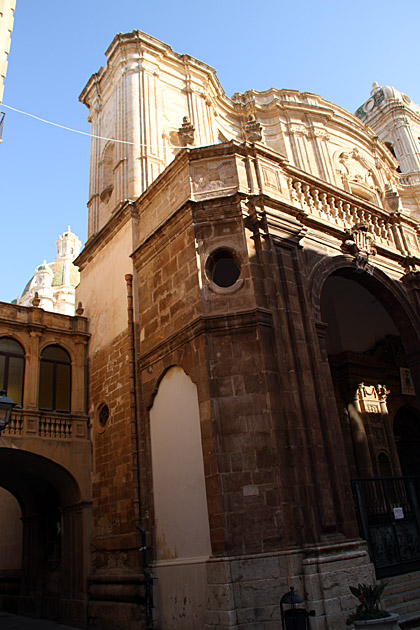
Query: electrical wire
[85, 133]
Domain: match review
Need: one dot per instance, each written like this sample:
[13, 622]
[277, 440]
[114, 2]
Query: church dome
[55, 282]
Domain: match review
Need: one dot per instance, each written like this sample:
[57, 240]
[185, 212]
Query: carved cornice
[308, 202]
[33, 319]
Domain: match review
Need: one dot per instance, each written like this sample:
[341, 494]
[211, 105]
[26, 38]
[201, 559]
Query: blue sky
[333, 48]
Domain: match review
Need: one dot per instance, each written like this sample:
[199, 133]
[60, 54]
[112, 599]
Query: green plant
[370, 600]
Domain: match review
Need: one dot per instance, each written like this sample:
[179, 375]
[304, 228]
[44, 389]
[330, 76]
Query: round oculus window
[369, 105]
[103, 415]
[223, 268]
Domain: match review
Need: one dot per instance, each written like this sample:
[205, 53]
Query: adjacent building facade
[251, 293]
[7, 9]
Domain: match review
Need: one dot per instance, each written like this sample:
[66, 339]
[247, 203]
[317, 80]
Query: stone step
[410, 621]
[408, 595]
[406, 607]
[401, 583]
[402, 594]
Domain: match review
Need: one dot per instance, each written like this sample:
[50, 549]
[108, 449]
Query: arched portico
[52, 578]
[390, 294]
[372, 339]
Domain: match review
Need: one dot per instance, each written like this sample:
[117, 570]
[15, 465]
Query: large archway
[373, 346]
[367, 333]
[50, 579]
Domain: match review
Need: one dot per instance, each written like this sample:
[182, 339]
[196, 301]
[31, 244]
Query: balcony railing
[47, 425]
[343, 212]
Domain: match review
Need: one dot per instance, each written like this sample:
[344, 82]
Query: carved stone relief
[271, 178]
[356, 175]
[213, 176]
[372, 398]
[359, 242]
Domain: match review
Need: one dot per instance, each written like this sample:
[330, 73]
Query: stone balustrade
[322, 204]
[47, 425]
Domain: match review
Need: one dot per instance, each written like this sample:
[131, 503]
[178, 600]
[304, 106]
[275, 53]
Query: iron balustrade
[388, 512]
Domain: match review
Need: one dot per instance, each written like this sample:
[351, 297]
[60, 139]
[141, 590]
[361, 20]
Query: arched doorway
[10, 550]
[372, 338]
[50, 582]
[366, 354]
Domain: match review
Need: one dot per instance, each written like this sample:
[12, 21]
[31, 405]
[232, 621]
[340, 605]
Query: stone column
[30, 398]
[78, 378]
[132, 95]
[383, 393]
[359, 437]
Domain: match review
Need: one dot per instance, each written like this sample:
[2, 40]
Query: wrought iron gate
[389, 520]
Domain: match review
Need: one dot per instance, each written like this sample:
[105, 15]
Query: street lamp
[6, 408]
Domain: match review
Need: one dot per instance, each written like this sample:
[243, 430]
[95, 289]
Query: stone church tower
[251, 281]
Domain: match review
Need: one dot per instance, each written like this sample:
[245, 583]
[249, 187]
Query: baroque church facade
[234, 411]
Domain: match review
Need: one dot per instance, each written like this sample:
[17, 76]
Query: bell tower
[396, 120]
[146, 104]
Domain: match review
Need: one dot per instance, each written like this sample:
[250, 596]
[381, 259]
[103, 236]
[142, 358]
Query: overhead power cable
[85, 133]
[49, 122]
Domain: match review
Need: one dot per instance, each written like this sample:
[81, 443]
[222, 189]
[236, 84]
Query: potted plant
[369, 612]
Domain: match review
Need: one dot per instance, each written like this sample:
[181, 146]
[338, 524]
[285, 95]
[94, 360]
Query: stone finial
[186, 132]
[253, 129]
[36, 300]
[375, 86]
[80, 310]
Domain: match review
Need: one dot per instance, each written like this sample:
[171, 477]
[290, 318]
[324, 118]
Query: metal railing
[388, 511]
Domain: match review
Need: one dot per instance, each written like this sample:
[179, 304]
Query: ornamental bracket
[359, 242]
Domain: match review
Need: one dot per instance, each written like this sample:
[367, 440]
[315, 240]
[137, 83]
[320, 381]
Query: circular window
[369, 105]
[103, 415]
[222, 268]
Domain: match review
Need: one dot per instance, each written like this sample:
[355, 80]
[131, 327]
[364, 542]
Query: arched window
[107, 175]
[390, 148]
[55, 379]
[12, 368]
